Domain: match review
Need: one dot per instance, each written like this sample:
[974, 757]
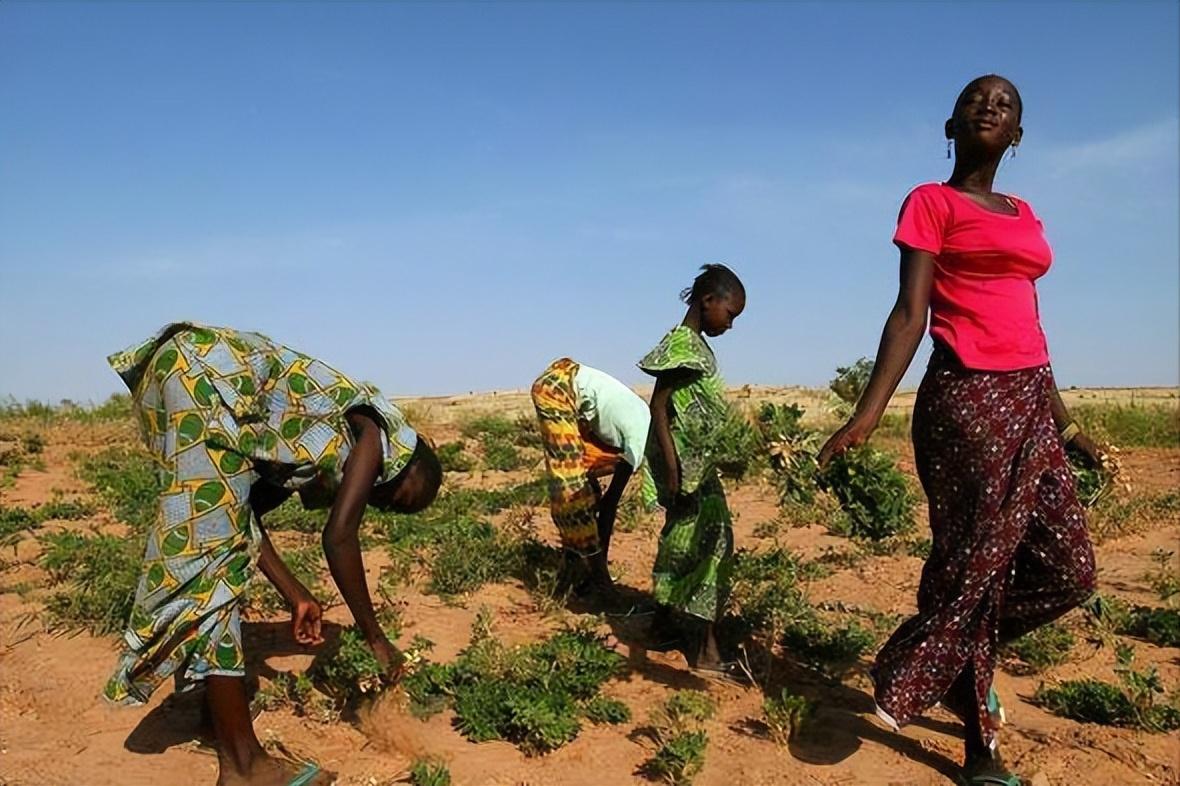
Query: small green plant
[452, 457]
[1158, 625]
[792, 448]
[1048, 645]
[765, 592]
[676, 728]
[873, 494]
[14, 521]
[1131, 425]
[128, 481]
[350, 671]
[603, 709]
[33, 443]
[1115, 517]
[827, 647]
[428, 772]
[724, 440]
[786, 715]
[1132, 703]
[101, 573]
[500, 454]
[532, 696]
[1091, 484]
[1165, 578]
[851, 381]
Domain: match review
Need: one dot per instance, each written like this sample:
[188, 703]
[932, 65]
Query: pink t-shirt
[984, 300]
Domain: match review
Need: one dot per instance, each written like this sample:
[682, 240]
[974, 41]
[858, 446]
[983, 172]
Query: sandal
[986, 772]
[308, 774]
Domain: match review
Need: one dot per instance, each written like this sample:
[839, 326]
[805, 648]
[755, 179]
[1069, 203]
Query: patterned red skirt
[1010, 547]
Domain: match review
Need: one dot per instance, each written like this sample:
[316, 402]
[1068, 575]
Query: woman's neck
[974, 173]
[692, 319]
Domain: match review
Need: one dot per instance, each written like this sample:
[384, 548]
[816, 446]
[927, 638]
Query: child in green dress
[692, 571]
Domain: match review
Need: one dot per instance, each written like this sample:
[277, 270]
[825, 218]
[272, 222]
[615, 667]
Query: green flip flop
[988, 779]
[308, 773]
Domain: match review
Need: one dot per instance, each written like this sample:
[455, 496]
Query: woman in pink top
[1010, 548]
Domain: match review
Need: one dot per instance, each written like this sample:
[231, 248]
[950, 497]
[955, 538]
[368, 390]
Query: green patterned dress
[695, 558]
[219, 410]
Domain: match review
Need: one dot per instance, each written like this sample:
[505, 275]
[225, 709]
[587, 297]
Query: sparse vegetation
[128, 481]
[1048, 645]
[1133, 702]
[453, 458]
[1130, 425]
[792, 448]
[429, 772]
[100, 573]
[1157, 625]
[786, 715]
[533, 696]
[676, 727]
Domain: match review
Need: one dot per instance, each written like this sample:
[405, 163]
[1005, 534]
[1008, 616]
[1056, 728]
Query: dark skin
[242, 759]
[607, 512]
[984, 125]
[712, 315]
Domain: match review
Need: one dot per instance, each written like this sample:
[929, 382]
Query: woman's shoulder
[680, 348]
[927, 192]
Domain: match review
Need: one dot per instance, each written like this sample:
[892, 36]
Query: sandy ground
[55, 730]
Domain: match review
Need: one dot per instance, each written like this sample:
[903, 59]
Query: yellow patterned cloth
[218, 410]
[570, 456]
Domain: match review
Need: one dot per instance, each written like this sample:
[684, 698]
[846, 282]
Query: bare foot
[269, 771]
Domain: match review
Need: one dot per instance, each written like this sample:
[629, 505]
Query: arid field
[473, 581]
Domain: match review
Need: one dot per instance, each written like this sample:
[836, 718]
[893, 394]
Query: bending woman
[592, 425]
[1010, 547]
[235, 424]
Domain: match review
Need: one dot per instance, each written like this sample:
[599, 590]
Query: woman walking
[1010, 547]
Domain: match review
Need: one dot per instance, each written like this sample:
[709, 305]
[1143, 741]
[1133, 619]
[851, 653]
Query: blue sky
[443, 198]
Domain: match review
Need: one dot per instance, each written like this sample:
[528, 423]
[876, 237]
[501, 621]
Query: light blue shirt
[615, 413]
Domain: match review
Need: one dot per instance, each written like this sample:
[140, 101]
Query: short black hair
[1015, 93]
[716, 280]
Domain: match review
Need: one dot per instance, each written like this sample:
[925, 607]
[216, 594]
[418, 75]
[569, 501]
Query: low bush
[1048, 645]
[786, 715]
[1132, 703]
[851, 381]
[724, 440]
[128, 481]
[428, 772]
[1157, 625]
[100, 574]
[1130, 425]
[873, 494]
[500, 454]
[349, 670]
[792, 449]
[452, 457]
[533, 695]
[676, 728]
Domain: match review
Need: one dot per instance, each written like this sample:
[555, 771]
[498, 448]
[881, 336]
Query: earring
[1014, 151]
[948, 149]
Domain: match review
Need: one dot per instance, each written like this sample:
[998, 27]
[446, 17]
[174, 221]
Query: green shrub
[13, 521]
[1132, 703]
[532, 695]
[1130, 425]
[128, 481]
[765, 591]
[1160, 626]
[851, 381]
[603, 709]
[350, 670]
[725, 440]
[826, 647]
[786, 715]
[792, 448]
[1114, 517]
[33, 443]
[101, 573]
[500, 454]
[873, 494]
[426, 772]
[1048, 645]
[489, 425]
[452, 457]
[676, 728]
[292, 517]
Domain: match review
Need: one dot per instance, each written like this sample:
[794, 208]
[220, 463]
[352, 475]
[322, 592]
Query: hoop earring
[948, 149]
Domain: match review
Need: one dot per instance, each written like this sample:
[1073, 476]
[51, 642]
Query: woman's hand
[855, 432]
[306, 619]
[392, 660]
[1092, 456]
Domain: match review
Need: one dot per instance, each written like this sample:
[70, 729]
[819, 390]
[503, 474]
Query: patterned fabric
[695, 558]
[1010, 547]
[569, 458]
[219, 410]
